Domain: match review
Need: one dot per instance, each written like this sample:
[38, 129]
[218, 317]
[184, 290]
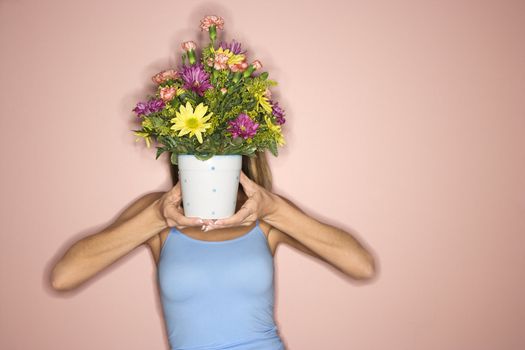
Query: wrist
[156, 213]
[273, 202]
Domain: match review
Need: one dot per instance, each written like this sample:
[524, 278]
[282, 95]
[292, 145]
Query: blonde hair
[255, 167]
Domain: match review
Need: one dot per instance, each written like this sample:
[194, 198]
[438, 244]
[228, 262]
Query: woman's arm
[138, 223]
[333, 245]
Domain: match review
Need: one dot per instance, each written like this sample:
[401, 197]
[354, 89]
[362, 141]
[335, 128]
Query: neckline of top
[217, 242]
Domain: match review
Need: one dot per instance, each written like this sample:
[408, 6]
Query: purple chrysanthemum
[196, 78]
[156, 105]
[234, 47]
[141, 109]
[242, 126]
[278, 112]
[152, 106]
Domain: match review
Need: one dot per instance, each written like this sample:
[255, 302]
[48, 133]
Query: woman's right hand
[171, 210]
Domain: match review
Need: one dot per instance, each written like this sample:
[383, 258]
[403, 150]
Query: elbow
[67, 272]
[371, 267]
[367, 270]
[61, 285]
[59, 282]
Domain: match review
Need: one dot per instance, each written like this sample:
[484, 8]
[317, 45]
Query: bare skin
[200, 233]
[149, 219]
[146, 221]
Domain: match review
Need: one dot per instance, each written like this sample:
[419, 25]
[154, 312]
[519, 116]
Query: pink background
[405, 125]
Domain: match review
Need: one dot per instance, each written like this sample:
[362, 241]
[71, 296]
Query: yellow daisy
[192, 122]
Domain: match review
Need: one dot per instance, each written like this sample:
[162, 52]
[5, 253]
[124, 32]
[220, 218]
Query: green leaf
[178, 149]
[273, 148]
[160, 150]
[173, 158]
[167, 141]
[237, 141]
[203, 156]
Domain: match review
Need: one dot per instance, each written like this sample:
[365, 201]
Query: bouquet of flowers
[213, 104]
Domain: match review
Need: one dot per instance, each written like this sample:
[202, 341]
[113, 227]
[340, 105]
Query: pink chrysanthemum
[242, 126]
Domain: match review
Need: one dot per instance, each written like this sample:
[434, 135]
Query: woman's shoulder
[139, 204]
[148, 198]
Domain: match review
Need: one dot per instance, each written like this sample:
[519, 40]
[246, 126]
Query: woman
[216, 287]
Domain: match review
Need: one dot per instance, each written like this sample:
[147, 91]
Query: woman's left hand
[259, 204]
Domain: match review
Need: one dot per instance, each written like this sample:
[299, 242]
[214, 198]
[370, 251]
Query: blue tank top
[218, 294]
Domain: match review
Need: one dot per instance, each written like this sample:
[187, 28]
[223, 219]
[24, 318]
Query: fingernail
[201, 221]
[202, 228]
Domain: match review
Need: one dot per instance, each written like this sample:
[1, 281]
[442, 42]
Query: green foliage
[225, 101]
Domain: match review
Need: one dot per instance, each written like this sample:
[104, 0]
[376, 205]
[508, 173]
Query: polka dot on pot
[214, 190]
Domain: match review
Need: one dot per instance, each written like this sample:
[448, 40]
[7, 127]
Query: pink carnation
[165, 75]
[167, 93]
[188, 45]
[257, 64]
[239, 67]
[207, 21]
[221, 60]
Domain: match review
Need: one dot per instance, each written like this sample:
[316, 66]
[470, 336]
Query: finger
[176, 217]
[236, 219]
[184, 221]
[176, 189]
[244, 179]
[247, 184]
[208, 221]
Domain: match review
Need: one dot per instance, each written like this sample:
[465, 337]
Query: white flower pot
[209, 187]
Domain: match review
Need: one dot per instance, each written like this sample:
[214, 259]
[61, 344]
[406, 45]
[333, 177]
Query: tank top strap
[234, 279]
